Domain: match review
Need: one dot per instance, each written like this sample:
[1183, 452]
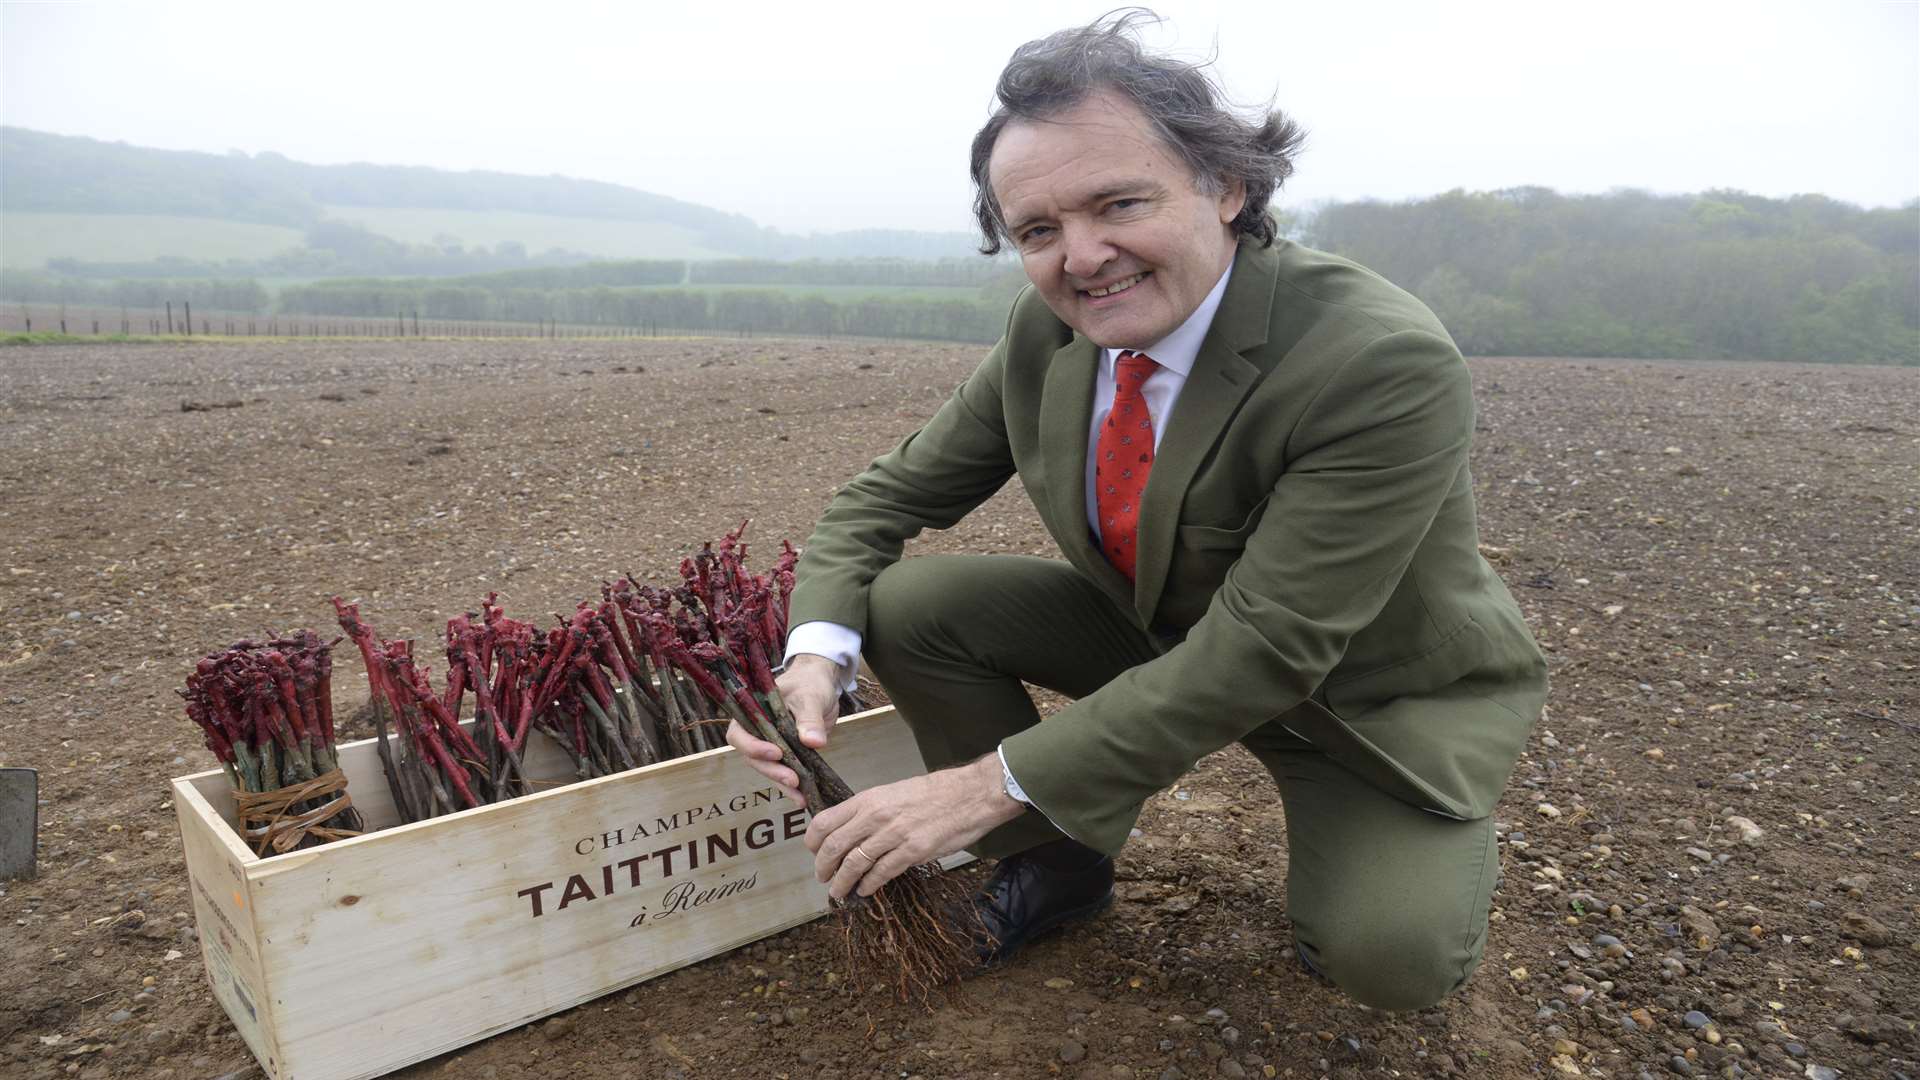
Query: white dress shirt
[1175, 354]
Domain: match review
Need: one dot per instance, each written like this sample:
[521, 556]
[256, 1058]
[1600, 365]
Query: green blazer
[1308, 559]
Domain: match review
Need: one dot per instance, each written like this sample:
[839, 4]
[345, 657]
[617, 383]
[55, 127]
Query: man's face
[1110, 227]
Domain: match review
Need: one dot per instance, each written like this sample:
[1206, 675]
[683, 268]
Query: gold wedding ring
[857, 851]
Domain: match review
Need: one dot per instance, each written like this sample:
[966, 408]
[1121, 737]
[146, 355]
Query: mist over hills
[1719, 273]
[267, 199]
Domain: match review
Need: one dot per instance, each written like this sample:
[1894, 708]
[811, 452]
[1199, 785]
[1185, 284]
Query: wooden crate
[364, 955]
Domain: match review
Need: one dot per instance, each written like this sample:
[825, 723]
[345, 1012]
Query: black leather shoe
[1023, 900]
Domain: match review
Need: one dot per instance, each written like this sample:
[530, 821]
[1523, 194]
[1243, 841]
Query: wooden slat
[224, 903]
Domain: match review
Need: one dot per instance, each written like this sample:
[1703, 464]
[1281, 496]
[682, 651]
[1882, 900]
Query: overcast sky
[833, 115]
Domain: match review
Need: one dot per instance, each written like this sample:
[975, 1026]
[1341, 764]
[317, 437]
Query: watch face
[1011, 785]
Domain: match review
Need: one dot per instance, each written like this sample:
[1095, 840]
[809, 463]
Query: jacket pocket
[1347, 746]
[1215, 538]
[1452, 658]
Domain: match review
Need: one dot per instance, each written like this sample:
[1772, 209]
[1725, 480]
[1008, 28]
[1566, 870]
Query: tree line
[339, 249]
[243, 296]
[1718, 275]
[972, 272]
[888, 272]
[760, 311]
[518, 298]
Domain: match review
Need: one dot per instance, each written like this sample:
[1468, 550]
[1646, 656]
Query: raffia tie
[269, 821]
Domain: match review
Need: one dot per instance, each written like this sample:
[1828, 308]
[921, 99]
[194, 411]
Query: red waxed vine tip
[200, 711]
[322, 662]
[226, 707]
[636, 676]
[611, 624]
[280, 675]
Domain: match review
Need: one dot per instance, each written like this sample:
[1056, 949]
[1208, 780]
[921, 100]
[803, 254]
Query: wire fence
[182, 321]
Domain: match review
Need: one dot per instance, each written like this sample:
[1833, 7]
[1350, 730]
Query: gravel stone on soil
[1733, 633]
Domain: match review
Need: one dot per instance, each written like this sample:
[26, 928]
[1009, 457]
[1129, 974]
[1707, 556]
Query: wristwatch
[1011, 786]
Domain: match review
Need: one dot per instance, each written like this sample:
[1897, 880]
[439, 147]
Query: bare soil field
[1710, 850]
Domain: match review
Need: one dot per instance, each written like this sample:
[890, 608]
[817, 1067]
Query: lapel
[1220, 381]
[1066, 416]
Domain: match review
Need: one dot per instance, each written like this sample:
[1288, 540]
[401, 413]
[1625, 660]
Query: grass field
[29, 239]
[539, 232]
[833, 292]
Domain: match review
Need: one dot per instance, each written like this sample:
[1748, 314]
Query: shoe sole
[1005, 951]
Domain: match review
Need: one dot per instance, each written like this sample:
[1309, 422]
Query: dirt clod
[1866, 929]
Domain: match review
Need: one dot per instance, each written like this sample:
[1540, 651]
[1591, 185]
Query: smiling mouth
[1119, 286]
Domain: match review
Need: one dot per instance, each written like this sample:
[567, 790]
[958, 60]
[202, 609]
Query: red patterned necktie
[1124, 455]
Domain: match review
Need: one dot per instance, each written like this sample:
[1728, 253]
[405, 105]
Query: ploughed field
[1710, 850]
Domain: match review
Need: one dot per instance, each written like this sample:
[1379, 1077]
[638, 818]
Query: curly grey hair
[1180, 100]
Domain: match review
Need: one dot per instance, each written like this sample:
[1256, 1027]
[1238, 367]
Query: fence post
[189, 323]
[169, 316]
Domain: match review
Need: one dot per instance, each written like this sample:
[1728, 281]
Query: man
[1254, 459]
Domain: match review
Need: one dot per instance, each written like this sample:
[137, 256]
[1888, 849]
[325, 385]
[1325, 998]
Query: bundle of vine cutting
[266, 709]
[644, 674]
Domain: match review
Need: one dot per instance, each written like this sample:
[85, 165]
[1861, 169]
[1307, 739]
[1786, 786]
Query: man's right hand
[811, 687]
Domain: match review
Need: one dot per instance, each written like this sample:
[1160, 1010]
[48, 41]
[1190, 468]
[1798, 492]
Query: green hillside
[28, 239]
[110, 194]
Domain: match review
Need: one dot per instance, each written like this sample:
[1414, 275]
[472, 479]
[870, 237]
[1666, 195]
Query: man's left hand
[875, 836]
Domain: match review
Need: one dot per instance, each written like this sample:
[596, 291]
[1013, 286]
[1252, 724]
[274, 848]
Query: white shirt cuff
[840, 644]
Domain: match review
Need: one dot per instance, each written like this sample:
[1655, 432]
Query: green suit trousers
[1387, 901]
